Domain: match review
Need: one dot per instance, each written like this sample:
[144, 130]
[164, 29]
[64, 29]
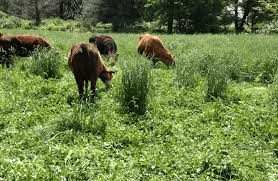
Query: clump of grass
[217, 81]
[267, 68]
[274, 90]
[135, 85]
[187, 69]
[46, 63]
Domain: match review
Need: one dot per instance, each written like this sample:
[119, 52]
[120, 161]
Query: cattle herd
[84, 58]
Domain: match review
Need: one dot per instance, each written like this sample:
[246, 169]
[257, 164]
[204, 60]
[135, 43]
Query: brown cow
[153, 48]
[21, 45]
[105, 44]
[86, 64]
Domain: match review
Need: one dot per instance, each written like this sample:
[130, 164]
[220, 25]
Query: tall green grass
[46, 63]
[274, 90]
[135, 86]
[187, 69]
[217, 80]
[48, 133]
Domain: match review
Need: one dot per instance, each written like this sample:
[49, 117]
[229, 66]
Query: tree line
[180, 16]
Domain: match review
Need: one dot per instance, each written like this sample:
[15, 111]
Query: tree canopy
[180, 16]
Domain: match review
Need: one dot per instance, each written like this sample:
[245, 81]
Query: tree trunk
[170, 16]
[247, 7]
[61, 9]
[236, 16]
[38, 19]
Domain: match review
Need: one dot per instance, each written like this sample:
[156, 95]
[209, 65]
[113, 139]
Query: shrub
[135, 85]
[46, 63]
[10, 22]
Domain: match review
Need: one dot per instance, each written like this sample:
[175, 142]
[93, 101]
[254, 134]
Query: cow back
[153, 47]
[105, 44]
[82, 60]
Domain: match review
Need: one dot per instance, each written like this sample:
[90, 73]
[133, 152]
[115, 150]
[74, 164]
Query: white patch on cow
[80, 50]
[108, 84]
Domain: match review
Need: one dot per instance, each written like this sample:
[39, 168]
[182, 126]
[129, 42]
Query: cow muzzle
[173, 64]
[108, 84]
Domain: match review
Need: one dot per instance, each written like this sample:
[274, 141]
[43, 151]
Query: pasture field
[212, 117]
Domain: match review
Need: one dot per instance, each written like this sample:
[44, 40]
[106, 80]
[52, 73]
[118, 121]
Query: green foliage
[10, 22]
[135, 85]
[46, 63]
[57, 24]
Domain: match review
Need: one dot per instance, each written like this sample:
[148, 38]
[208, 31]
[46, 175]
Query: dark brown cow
[105, 44]
[153, 48]
[86, 64]
[21, 45]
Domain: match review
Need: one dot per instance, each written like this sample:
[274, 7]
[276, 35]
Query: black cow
[105, 44]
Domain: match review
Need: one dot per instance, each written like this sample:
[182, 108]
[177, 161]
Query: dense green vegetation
[193, 127]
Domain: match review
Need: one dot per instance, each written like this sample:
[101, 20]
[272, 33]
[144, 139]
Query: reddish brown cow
[153, 48]
[21, 45]
[86, 64]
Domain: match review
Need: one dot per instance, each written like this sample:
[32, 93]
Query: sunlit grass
[48, 133]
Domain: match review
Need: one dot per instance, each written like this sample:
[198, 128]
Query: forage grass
[48, 133]
[46, 63]
[187, 72]
[217, 81]
[274, 89]
[135, 85]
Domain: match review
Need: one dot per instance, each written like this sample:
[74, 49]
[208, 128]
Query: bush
[46, 63]
[10, 22]
[135, 85]
[57, 24]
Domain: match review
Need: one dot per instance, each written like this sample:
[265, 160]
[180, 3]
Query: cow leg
[93, 85]
[7, 59]
[80, 88]
[80, 84]
[86, 87]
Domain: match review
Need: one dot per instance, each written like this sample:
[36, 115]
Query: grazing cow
[105, 44]
[153, 48]
[86, 64]
[21, 45]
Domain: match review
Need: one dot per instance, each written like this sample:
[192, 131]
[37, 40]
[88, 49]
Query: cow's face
[170, 59]
[106, 77]
[93, 40]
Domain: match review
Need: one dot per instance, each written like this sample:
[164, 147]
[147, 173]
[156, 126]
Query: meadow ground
[212, 117]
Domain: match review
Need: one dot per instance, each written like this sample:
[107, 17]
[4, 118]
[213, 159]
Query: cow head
[106, 77]
[93, 40]
[170, 59]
